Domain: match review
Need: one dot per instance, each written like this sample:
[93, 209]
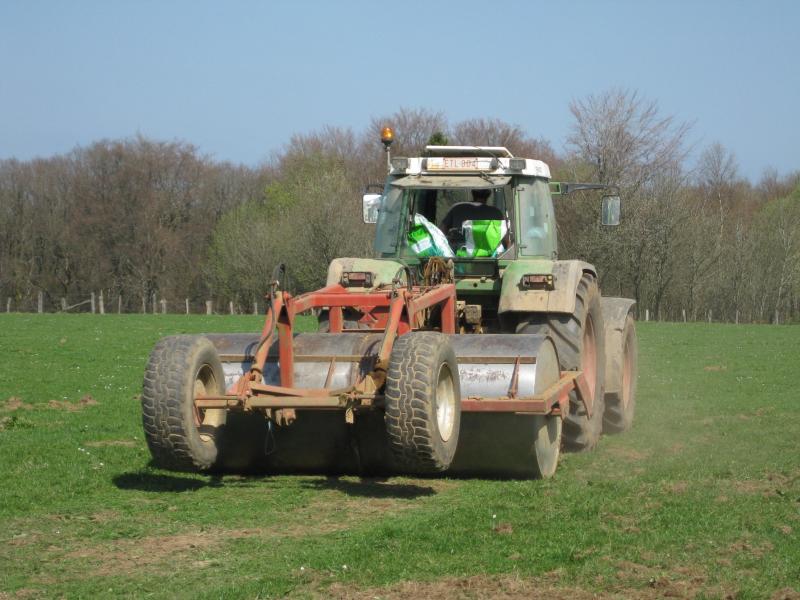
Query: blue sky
[238, 78]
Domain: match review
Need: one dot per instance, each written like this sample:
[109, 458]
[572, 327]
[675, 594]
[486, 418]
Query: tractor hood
[383, 271]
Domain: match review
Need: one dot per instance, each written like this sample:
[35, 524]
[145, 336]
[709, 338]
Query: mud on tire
[179, 436]
[423, 402]
[570, 332]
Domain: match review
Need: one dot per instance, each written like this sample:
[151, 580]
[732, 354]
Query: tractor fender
[561, 299]
[383, 271]
[615, 312]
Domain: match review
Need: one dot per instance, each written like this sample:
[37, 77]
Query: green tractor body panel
[552, 292]
[383, 270]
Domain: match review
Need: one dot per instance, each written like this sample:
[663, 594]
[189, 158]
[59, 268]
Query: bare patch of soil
[164, 553]
[750, 548]
[503, 529]
[628, 454]
[21, 593]
[87, 400]
[478, 587]
[786, 594]
[774, 484]
[104, 516]
[676, 487]
[157, 553]
[625, 523]
[15, 403]
[105, 443]
[634, 581]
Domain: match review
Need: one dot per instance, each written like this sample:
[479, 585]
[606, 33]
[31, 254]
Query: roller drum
[319, 441]
[490, 444]
[507, 444]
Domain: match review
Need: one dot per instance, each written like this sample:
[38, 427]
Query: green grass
[702, 496]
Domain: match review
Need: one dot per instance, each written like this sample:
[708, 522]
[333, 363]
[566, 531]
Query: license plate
[459, 164]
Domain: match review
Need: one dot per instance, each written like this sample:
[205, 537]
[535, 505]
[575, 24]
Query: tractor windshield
[434, 216]
[434, 209]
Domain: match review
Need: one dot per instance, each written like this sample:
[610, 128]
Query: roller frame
[401, 310]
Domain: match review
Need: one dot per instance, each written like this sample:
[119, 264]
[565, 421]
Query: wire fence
[100, 303]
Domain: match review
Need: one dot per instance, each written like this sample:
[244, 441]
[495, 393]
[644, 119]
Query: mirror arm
[567, 188]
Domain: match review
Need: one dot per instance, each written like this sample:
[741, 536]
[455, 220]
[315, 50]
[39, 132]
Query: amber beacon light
[387, 136]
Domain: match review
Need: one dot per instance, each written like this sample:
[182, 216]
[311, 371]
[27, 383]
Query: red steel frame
[394, 311]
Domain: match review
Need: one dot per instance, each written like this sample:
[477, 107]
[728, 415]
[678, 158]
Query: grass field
[700, 499]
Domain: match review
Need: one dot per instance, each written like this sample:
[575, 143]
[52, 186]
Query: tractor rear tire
[180, 436]
[620, 406]
[580, 343]
[423, 402]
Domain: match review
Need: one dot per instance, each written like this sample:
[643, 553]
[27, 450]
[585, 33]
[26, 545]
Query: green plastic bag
[425, 239]
[483, 238]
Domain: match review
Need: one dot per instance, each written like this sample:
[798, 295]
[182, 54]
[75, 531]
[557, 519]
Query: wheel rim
[589, 356]
[548, 443]
[445, 403]
[205, 384]
[626, 374]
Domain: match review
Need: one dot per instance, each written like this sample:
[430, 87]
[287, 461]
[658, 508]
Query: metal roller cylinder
[505, 444]
[320, 441]
[486, 363]
[353, 353]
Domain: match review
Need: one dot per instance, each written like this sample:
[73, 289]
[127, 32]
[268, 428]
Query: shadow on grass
[370, 487]
[154, 482]
[144, 481]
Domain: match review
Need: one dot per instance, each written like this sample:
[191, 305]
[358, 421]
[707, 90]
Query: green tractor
[463, 346]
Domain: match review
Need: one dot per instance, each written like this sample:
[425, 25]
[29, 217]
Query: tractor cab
[468, 203]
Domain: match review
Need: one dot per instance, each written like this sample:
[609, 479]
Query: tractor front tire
[423, 402]
[621, 405]
[580, 343]
[180, 436]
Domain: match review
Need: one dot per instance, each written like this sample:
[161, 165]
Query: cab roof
[468, 151]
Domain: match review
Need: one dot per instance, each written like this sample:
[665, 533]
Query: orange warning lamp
[387, 136]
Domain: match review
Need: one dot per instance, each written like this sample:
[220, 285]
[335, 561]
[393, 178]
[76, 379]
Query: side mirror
[371, 203]
[610, 211]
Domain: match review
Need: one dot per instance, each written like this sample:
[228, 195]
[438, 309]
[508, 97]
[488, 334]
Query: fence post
[102, 304]
[40, 302]
[187, 305]
[119, 304]
[155, 304]
[91, 299]
[709, 315]
[8, 305]
[683, 313]
[230, 306]
[209, 307]
[144, 305]
[646, 314]
[163, 306]
[737, 316]
[255, 307]
[63, 304]
[777, 317]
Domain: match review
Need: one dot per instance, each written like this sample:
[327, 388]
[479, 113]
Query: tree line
[140, 219]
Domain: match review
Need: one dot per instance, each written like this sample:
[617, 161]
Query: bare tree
[625, 138]
[495, 132]
[413, 127]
